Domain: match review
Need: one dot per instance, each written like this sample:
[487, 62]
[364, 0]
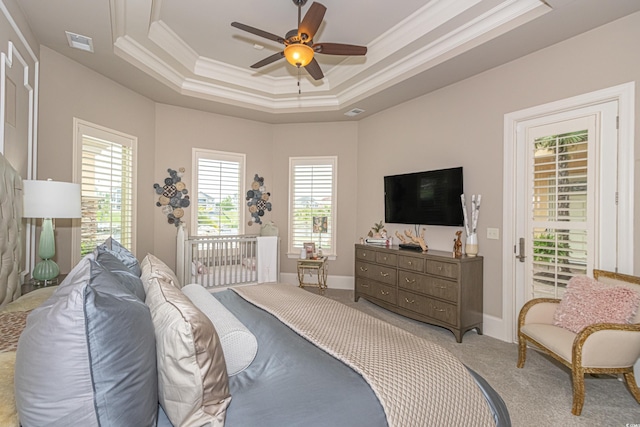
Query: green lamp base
[45, 270]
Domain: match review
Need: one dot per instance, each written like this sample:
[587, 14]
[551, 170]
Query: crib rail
[214, 261]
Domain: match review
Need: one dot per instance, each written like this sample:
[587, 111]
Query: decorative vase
[471, 246]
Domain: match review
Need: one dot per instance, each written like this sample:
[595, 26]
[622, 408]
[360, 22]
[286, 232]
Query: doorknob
[521, 256]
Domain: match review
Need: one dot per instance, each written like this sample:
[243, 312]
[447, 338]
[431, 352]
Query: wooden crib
[222, 261]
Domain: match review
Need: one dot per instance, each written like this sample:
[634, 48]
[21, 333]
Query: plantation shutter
[219, 193]
[560, 211]
[107, 175]
[313, 195]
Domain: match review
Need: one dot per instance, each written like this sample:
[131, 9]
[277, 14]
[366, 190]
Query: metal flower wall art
[173, 196]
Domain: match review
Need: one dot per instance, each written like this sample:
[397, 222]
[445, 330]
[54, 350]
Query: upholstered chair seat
[588, 351]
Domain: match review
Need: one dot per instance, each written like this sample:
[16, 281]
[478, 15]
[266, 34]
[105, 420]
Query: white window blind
[312, 183]
[559, 213]
[218, 185]
[106, 170]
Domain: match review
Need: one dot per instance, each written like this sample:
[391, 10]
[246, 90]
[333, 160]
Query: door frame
[624, 94]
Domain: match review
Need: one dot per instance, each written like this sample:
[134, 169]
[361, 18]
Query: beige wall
[462, 125]
[69, 90]
[178, 130]
[319, 139]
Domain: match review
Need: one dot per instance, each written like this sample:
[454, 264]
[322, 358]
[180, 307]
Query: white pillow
[239, 345]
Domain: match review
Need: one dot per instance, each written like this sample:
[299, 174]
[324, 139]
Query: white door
[565, 214]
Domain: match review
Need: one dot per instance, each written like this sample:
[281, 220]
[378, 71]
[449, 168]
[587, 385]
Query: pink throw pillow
[587, 301]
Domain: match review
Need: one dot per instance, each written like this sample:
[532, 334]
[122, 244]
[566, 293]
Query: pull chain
[299, 89]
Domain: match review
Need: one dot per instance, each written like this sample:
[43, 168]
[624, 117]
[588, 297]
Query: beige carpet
[537, 395]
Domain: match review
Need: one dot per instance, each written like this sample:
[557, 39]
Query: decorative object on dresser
[48, 200]
[431, 287]
[413, 242]
[471, 247]
[457, 245]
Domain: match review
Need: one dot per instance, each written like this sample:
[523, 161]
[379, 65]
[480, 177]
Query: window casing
[105, 167]
[312, 193]
[218, 208]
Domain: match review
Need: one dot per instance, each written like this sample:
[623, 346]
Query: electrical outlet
[493, 233]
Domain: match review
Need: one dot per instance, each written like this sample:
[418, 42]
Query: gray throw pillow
[87, 356]
[125, 276]
[114, 247]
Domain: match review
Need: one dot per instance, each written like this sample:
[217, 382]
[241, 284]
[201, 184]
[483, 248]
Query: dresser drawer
[363, 269]
[387, 259]
[377, 290]
[428, 285]
[411, 263]
[442, 311]
[444, 269]
[376, 272]
[366, 254]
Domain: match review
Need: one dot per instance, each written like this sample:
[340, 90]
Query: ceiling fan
[299, 46]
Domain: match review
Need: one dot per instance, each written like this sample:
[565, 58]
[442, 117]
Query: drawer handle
[409, 301]
[409, 262]
[364, 269]
[385, 258]
[364, 254]
[441, 310]
[441, 287]
[440, 267]
[409, 280]
[383, 292]
[383, 274]
[364, 285]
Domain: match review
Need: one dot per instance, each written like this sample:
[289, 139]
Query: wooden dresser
[433, 287]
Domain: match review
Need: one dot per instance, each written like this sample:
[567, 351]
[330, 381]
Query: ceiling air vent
[354, 112]
[81, 42]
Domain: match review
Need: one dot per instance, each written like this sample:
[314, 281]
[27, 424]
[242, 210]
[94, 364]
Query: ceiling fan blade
[258, 32]
[311, 21]
[268, 60]
[313, 68]
[339, 49]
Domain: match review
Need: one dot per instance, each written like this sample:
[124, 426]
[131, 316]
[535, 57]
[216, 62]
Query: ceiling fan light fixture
[298, 54]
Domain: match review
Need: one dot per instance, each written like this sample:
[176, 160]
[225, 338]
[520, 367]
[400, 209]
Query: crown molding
[160, 52]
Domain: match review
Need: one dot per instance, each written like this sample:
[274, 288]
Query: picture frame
[320, 224]
[310, 249]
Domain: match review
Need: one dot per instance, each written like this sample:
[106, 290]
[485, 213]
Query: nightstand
[33, 284]
[311, 266]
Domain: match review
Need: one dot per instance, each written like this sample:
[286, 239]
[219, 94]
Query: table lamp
[320, 226]
[49, 200]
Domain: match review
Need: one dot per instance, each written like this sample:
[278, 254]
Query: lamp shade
[51, 199]
[298, 54]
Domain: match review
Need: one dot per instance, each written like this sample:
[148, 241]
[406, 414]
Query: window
[218, 191]
[104, 165]
[560, 211]
[312, 184]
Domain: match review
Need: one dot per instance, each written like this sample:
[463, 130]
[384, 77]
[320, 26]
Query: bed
[220, 261]
[301, 373]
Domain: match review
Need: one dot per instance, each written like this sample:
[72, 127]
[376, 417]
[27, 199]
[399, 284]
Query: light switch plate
[493, 233]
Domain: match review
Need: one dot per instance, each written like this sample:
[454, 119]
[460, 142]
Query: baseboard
[494, 327]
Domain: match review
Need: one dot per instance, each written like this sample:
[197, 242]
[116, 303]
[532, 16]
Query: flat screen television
[427, 198]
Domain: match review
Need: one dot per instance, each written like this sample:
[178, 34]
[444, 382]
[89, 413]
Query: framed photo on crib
[310, 249]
